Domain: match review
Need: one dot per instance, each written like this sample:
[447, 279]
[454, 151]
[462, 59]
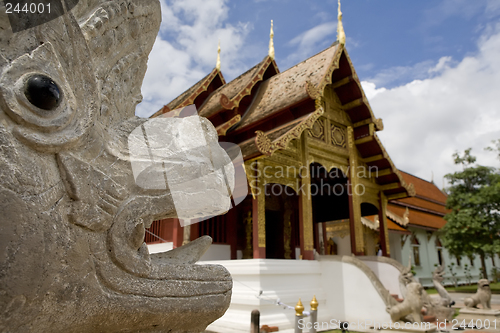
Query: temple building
[312, 157]
[319, 186]
[414, 233]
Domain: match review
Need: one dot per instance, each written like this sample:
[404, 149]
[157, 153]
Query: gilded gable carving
[318, 129]
[338, 136]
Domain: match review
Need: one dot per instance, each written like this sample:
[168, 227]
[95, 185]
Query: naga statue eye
[42, 92]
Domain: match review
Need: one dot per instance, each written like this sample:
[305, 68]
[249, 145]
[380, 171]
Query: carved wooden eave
[387, 175]
[346, 84]
[425, 210]
[190, 96]
[230, 95]
[259, 76]
[343, 79]
[267, 146]
[396, 218]
[222, 129]
[289, 89]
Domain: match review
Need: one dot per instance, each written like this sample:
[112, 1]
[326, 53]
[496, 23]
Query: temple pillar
[384, 232]
[195, 231]
[177, 233]
[305, 204]
[231, 230]
[356, 228]
[259, 213]
[325, 238]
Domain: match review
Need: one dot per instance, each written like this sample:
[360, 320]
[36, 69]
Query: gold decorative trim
[268, 147]
[317, 130]
[287, 232]
[396, 218]
[312, 91]
[408, 187]
[338, 136]
[379, 124]
[261, 208]
[369, 224]
[203, 87]
[338, 229]
[327, 77]
[228, 104]
[222, 129]
[260, 197]
[411, 190]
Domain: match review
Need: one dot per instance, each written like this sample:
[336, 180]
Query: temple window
[415, 245]
[439, 248]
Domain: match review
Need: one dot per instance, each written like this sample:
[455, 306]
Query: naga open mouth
[169, 274]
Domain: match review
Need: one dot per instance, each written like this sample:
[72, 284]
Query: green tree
[474, 199]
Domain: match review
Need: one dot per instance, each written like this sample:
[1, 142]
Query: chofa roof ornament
[217, 65]
[271, 42]
[340, 28]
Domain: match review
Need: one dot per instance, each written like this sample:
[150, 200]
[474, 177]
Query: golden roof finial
[271, 42]
[217, 65]
[340, 28]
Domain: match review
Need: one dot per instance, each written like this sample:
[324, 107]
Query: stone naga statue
[437, 278]
[482, 296]
[73, 217]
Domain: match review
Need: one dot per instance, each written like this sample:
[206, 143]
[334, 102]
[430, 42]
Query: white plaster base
[478, 314]
[344, 293]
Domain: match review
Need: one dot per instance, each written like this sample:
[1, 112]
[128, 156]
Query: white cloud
[401, 74]
[309, 40]
[455, 107]
[186, 49]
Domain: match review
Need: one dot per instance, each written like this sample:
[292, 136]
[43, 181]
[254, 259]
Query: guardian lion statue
[482, 296]
[73, 214]
[411, 308]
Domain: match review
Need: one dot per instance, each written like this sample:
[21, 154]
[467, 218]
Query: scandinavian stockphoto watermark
[178, 152]
[329, 183]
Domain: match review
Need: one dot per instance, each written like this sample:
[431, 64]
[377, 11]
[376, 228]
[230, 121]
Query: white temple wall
[343, 290]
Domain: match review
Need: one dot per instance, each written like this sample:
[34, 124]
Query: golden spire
[217, 65]
[271, 42]
[340, 28]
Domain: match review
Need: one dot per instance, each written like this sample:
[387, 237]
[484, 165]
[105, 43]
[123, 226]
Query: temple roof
[396, 228]
[262, 110]
[230, 95]
[213, 80]
[290, 87]
[426, 209]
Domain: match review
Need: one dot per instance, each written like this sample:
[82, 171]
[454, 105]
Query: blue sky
[430, 68]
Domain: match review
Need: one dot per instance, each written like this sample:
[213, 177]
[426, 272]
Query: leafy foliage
[474, 199]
